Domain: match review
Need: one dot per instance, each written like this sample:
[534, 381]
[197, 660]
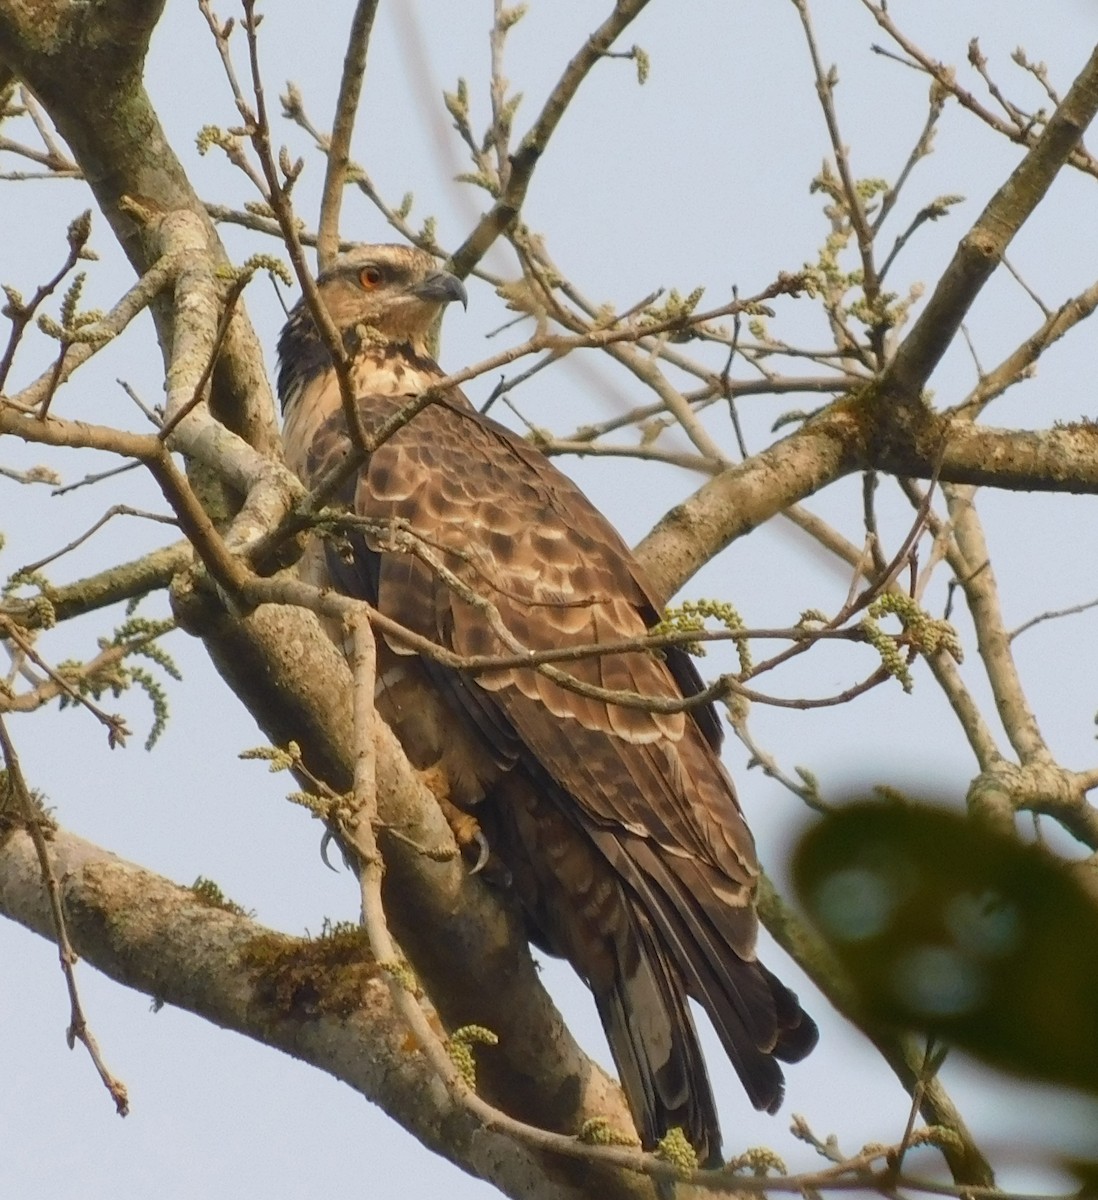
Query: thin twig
[825, 90]
[1026, 288]
[117, 731]
[96, 477]
[257, 590]
[1053, 615]
[22, 315]
[982, 247]
[533, 144]
[925, 1073]
[919, 151]
[42, 125]
[768, 764]
[1020, 119]
[33, 820]
[152, 415]
[117, 510]
[135, 301]
[946, 78]
[1018, 365]
[43, 691]
[278, 197]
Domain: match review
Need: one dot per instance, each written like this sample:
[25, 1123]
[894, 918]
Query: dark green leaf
[949, 928]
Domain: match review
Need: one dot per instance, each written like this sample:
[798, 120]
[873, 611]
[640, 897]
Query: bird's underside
[618, 827]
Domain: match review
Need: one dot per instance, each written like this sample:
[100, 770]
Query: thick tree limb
[982, 248]
[152, 935]
[887, 426]
[858, 435]
[126, 581]
[1047, 460]
[452, 927]
[82, 59]
[746, 495]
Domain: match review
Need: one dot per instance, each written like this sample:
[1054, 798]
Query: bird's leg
[465, 828]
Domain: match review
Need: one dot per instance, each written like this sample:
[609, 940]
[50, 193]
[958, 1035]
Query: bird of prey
[618, 827]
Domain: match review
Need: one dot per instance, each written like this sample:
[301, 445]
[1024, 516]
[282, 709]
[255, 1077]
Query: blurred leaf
[1087, 1174]
[955, 930]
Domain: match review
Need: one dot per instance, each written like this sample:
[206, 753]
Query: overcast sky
[699, 178]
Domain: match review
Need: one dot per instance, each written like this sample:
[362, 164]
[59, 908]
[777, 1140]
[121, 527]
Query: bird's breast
[381, 383]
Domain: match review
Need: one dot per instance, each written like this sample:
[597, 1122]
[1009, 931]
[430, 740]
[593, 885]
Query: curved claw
[325, 842]
[483, 851]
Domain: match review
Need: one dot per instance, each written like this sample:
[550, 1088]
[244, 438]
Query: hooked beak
[442, 287]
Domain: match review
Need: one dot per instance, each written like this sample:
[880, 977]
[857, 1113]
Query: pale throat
[375, 372]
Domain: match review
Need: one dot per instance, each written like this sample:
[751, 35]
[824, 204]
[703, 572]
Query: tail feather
[797, 1032]
[655, 1046]
[757, 1018]
[649, 930]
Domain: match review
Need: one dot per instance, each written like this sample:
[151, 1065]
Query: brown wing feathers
[619, 827]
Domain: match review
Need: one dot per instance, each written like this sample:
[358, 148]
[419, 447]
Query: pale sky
[700, 177]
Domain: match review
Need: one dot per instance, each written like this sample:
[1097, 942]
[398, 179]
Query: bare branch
[116, 510]
[350, 88]
[33, 820]
[977, 578]
[946, 79]
[116, 728]
[745, 495]
[1053, 615]
[1018, 365]
[152, 935]
[138, 298]
[982, 248]
[126, 581]
[95, 477]
[825, 90]
[22, 314]
[533, 144]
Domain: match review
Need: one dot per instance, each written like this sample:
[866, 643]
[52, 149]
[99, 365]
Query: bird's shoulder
[460, 475]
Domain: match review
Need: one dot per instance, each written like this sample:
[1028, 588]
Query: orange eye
[369, 277]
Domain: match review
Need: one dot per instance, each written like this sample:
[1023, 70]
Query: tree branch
[453, 928]
[161, 939]
[339, 148]
[533, 145]
[746, 495]
[982, 248]
[126, 581]
[88, 59]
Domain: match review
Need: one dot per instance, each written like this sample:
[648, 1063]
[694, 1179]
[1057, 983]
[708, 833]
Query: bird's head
[390, 295]
[396, 292]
